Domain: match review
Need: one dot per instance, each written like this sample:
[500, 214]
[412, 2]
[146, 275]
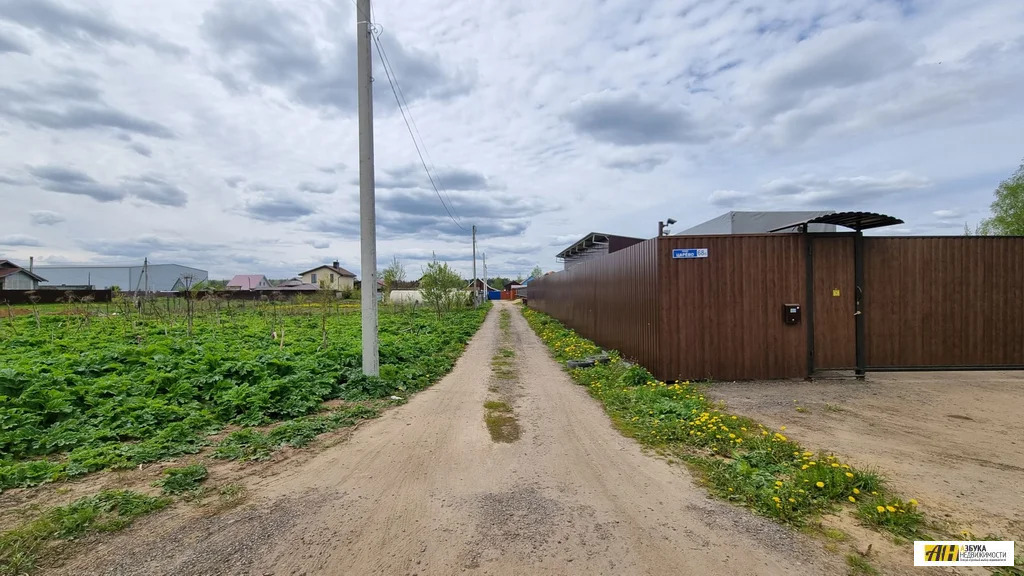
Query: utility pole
[476, 291]
[367, 214]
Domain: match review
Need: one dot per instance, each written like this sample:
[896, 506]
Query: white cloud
[226, 137]
[810, 190]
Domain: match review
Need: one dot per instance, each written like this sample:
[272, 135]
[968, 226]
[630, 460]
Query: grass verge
[738, 459]
[252, 444]
[185, 480]
[499, 416]
[859, 566]
[108, 511]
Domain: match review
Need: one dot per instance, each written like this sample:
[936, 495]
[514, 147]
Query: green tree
[1008, 208]
[442, 287]
[394, 273]
[498, 282]
[537, 272]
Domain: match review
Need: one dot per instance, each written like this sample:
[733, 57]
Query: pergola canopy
[854, 220]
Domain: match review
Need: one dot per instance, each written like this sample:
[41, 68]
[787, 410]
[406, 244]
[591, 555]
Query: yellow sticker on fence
[835, 291]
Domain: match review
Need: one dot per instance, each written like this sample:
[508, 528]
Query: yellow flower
[732, 435]
[783, 428]
[730, 489]
[852, 499]
[778, 483]
[873, 493]
[856, 491]
[776, 498]
[819, 484]
[834, 465]
[880, 508]
[890, 508]
[849, 474]
[812, 463]
[791, 500]
[912, 502]
[738, 440]
[808, 454]
[804, 467]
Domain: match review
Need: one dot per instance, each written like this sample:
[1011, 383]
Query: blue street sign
[690, 253]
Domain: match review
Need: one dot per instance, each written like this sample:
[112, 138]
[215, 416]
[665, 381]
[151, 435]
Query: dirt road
[425, 490]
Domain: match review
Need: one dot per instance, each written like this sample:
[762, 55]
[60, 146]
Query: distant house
[333, 277]
[294, 285]
[510, 291]
[248, 282]
[14, 277]
[359, 285]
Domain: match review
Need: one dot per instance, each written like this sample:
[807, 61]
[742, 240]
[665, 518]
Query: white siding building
[154, 277]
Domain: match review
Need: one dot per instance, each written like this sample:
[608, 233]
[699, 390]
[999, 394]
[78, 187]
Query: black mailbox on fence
[791, 313]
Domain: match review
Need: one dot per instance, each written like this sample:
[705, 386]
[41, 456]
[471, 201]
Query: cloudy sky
[223, 134]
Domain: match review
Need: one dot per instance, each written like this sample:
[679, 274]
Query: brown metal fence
[949, 302]
[722, 315]
[612, 300]
[944, 302]
[53, 296]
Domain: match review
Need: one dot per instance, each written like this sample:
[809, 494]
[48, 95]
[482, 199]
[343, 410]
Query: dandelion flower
[783, 428]
[808, 454]
[804, 467]
[880, 508]
[890, 508]
[912, 502]
[778, 483]
[852, 499]
[776, 498]
[791, 500]
[834, 465]
[849, 474]
[856, 491]
[819, 484]
[873, 493]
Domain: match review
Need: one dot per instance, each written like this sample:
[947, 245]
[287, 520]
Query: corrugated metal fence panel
[952, 301]
[612, 300]
[722, 315]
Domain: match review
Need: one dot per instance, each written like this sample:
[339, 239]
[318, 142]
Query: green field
[88, 389]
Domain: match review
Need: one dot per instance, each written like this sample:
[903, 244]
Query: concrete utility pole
[367, 214]
[476, 291]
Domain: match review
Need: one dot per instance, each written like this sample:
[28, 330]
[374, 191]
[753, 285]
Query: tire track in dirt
[424, 490]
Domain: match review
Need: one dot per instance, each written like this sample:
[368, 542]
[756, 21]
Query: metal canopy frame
[582, 245]
[854, 220]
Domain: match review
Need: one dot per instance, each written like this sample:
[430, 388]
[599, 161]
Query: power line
[393, 80]
[387, 63]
